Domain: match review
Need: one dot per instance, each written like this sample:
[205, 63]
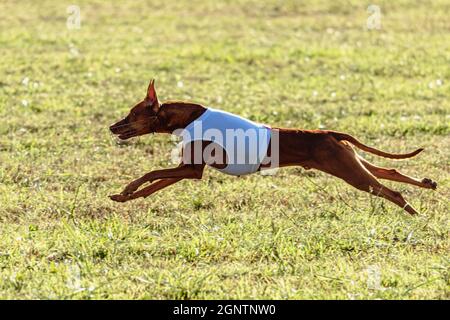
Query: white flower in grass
[25, 103]
[439, 82]
[180, 84]
[25, 81]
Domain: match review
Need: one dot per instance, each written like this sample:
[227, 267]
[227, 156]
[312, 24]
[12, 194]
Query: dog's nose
[112, 128]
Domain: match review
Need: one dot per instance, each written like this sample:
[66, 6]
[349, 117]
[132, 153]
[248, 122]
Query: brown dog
[328, 151]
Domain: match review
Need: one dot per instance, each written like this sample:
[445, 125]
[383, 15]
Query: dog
[324, 150]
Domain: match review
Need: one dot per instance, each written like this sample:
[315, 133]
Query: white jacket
[245, 142]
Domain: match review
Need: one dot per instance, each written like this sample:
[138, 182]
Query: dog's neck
[175, 115]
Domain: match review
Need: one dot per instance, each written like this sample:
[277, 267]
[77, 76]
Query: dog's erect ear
[151, 96]
[151, 92]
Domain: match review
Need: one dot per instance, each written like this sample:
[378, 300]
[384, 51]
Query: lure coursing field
[293, 235]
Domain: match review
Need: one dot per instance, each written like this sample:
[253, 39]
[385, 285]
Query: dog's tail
[343, 136]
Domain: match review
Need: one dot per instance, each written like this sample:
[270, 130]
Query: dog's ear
[151, 92]
[151, 97]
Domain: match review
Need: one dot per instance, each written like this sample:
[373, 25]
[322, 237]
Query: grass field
[296, 235]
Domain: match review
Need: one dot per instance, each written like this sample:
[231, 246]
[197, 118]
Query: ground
[294, 235]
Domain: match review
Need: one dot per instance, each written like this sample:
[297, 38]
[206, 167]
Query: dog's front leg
[134, 185]
[184, 171]
[145, 192]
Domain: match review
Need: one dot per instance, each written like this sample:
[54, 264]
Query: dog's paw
[131, 188]
[119, 198]
[428, 183]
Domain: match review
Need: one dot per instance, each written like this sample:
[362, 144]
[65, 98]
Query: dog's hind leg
[394, 175]
[341, 161]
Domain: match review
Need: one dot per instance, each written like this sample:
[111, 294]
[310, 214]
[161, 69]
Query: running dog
[324, 150]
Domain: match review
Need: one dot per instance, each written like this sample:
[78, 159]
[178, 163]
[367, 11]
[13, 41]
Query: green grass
[308, 64]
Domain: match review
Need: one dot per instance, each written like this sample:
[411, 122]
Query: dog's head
[142, 119]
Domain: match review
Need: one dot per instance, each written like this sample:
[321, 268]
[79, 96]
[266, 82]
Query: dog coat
[245, 142]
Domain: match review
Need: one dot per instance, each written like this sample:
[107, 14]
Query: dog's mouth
[123, 130]
[124, 133]
[127, 134]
